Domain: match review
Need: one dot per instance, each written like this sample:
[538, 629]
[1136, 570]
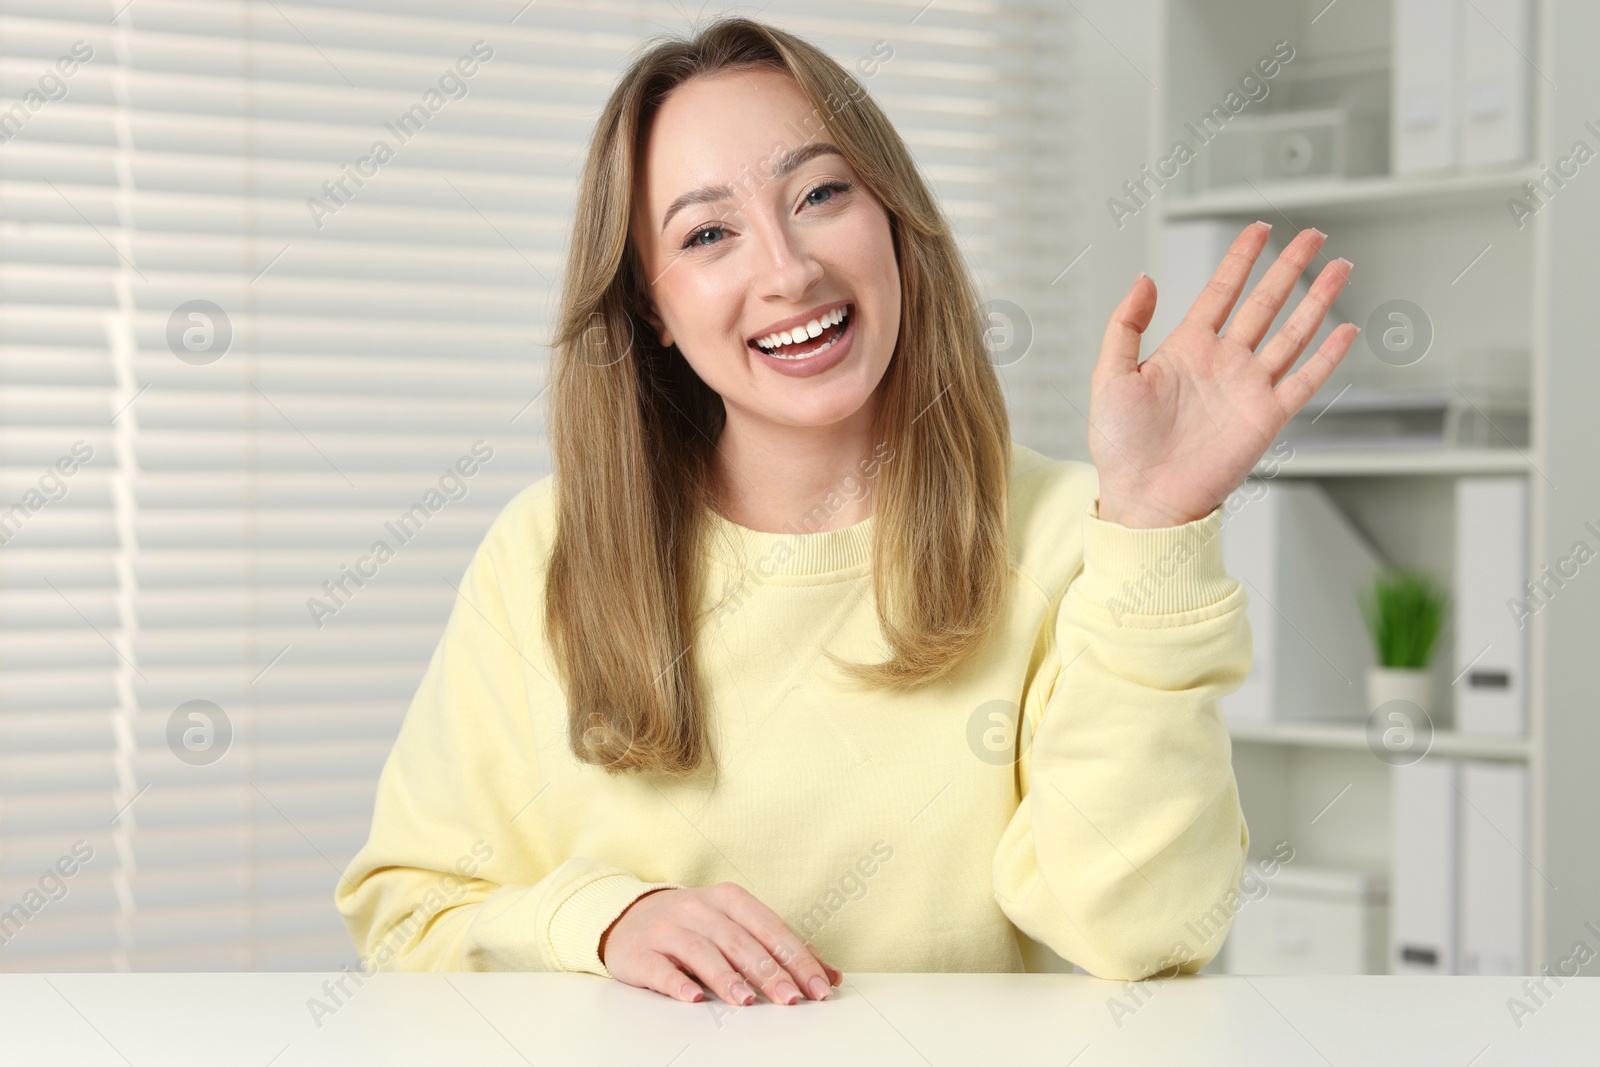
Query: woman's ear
[663, 334]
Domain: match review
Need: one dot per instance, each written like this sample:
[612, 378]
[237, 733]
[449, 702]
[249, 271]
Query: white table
[486, 1020]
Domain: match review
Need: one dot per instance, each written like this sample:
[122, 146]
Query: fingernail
[690, 991]
[787, 993]
[743, 993]
[835, 975]
[1319, 233]
[1263, 222]
[819, 988]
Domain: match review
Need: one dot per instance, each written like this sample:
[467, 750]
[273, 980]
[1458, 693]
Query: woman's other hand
[1174, 435]
[720, 934]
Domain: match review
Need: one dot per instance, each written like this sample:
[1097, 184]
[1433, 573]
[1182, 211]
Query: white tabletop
[170, 1020]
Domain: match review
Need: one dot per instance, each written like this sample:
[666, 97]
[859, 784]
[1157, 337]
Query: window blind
[264, 386]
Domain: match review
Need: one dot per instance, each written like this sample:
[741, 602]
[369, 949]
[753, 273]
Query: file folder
[1492, 604]
[1422, 903]
[1496, 81]
[1495, 867]
[1424, 124]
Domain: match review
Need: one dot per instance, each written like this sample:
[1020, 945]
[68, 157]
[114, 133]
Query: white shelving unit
[1308, 463]
[1355, 197]
[1354, 738]
[1447, 243]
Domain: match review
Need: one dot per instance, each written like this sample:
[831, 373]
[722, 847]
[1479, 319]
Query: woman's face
[737, 249]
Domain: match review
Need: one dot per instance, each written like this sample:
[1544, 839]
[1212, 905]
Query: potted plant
[1404, 611]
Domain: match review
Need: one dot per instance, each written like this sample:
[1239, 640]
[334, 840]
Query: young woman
[797, 662]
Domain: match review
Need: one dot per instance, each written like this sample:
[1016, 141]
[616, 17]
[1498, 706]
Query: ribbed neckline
[793, 553]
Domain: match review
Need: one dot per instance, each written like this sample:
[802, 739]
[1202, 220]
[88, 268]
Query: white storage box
[1313, 920]
[1326, 143]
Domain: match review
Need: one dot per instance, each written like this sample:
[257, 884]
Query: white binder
[1424, 124]
[1490, 585]
[1422, 902]
[1301, 562]
[1495, 867]
[1496, 81]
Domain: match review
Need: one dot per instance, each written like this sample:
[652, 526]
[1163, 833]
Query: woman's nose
[788, 262]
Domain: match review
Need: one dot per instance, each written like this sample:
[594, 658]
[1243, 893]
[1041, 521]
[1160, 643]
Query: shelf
[1354, 736]
[1356, 196]
[1421, 237]
[1352, 463]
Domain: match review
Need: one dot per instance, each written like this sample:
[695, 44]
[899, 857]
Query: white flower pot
[1414, 684]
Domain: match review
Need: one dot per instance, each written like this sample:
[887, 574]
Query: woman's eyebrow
[788, 162]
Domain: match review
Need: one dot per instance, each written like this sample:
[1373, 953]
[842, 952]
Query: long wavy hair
[633, 431]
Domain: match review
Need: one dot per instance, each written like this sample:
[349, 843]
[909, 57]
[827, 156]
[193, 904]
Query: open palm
[1174, 435]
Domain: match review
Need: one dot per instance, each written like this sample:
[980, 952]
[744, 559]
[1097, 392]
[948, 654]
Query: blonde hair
[633, 429]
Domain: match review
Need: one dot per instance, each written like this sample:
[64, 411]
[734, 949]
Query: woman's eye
[695, 241]
[823, 193]
[706, 236]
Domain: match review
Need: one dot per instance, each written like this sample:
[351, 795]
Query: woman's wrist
[1137, 515]
[601, 951]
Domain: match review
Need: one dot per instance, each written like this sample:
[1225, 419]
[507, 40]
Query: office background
[242, 346]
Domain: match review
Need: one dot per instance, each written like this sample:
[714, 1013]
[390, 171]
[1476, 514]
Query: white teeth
[823, 347]
[809, 330]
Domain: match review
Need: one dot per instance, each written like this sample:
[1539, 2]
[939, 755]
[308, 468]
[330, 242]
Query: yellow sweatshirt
[916, 832]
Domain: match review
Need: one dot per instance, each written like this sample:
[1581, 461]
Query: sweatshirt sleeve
[452, 876]
[1129, 842]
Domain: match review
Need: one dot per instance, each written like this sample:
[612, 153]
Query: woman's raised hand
[1174, 435]
[722, 935]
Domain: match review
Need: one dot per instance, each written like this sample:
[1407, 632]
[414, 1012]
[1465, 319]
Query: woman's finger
[1297, 388]
[702, 955]
[1255, 315]
[1119, 349]
[1211, 307]
[662, 975]
[781, 944]
[1291, 340]
[739, 950]
[834, 975]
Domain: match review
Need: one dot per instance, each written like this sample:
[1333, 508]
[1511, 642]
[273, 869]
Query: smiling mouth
[801, 342]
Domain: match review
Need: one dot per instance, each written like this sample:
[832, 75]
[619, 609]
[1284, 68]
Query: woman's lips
[818, 362]
[810, 346]
[824, 315]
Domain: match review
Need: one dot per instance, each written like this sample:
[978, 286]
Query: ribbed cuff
[576, 927]
[1153, 572]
